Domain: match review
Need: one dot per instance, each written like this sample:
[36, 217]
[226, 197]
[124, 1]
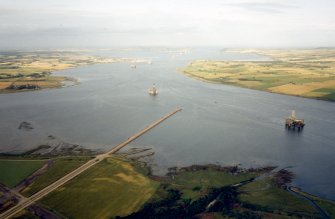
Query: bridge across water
[25, 202]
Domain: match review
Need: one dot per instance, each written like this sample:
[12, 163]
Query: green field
[59, 168]
[13, 172]
[265, 195]
[327, 205]
[117, 187]
[110, 188]
[193, 184]
[211, 194]
[306, 73]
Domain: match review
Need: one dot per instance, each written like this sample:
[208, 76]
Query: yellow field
[307, 73]
[114, 187]
[22, 68]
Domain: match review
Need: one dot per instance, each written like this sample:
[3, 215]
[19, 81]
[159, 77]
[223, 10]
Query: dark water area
[218, 124]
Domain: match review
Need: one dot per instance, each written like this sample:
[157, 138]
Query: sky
[118, 23]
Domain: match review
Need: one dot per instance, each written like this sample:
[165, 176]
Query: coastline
[189, 184]
[246, 87]
[28, 71]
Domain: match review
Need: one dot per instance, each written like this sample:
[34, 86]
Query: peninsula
[25, 71]
[299, 72]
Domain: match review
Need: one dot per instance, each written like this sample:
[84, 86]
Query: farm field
[306, 73]
[22, 71]
[118, 187]
[60, 167]
[111, 188]
[13, 172]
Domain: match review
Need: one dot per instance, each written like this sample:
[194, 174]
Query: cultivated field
[307, 73]
[19, 69]
[111, 188]
[13, 172]
[118, 187]
[59, 168]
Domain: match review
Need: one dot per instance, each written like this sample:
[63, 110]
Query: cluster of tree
[216, 200]
[9, 67]
[8, 76]
[223, 200]
[23, 86]
[283, 177]
[19, 75]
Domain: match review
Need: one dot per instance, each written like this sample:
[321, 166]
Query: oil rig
[153, 90]
[292, 122]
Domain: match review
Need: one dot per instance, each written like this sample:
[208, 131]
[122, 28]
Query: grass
[116, 187]
[25, 214]
[13, 172]
[327, 205]
[59, 168]
[259, 198]
[110, 188]
[307, 73]
[193, 184]
[265, 194]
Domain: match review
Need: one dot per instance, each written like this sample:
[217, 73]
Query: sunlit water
[219, 123]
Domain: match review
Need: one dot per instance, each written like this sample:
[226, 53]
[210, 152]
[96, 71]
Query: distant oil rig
[153, 90]
[292, 122]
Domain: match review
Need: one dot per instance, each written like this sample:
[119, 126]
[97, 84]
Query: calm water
[219, 123]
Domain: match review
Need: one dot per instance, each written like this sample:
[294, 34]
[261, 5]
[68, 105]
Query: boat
[153, 90]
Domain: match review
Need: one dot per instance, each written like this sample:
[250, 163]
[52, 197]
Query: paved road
[28, 201]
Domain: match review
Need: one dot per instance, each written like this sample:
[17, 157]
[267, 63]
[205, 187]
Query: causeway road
[37, 196]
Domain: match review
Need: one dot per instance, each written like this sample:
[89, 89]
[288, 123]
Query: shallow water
[219, 123]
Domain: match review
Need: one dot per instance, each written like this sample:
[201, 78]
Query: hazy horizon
[159, 23]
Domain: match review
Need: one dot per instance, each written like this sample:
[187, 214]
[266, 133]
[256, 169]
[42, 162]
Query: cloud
[172, 22]
[263, 6]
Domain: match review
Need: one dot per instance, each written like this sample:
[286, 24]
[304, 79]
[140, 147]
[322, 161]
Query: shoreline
[71, 80]
[137, 156]
[182, 180]
[245, 87]
[306, 73]
[38, 73]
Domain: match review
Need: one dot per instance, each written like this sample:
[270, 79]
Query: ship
[153, 90]
[292, 122]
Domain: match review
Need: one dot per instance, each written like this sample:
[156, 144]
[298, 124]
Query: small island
[299, 72]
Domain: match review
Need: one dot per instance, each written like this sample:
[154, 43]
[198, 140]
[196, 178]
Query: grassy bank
[327, 205]
[110, 188]
[194, 184]
[13, 172]
[266, 196]
[213, 193]
[306, 73]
